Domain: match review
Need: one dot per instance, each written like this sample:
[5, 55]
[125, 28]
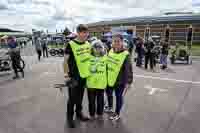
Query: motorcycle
[57, 52]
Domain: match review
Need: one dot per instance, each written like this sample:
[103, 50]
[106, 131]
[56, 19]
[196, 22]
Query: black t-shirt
[149, 46]
[164, 49]
[73, 69]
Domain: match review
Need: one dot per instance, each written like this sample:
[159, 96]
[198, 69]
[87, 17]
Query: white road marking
[154, 90]
[166, 79]
[47, 73]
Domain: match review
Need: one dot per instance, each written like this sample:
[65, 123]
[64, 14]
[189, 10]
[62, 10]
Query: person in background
[44, 47]
[140, 51]
[149, 55]
[38, 47]
[77, 53]
[15, 57]
[164, 54]
[97, 81]
[120, 75]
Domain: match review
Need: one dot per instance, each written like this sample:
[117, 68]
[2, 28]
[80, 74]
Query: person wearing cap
[77, 53]
[97, 81]
[119, 75]
[15, 57]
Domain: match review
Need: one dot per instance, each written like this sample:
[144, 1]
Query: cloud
[37, 2]
[3, 7]
[56, 14]
[16, 1]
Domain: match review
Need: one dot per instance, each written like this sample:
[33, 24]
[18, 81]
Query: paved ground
[161, 102]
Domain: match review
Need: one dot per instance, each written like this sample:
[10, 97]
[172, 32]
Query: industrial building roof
[149, 19]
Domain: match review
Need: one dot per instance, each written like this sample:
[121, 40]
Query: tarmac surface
[158, 102]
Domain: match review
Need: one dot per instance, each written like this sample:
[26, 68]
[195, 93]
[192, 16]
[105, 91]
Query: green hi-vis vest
[82, 57]
[114, 64]
[98, 73]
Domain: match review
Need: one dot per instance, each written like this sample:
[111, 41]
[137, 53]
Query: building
[173, 25]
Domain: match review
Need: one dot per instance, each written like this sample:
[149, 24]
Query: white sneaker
[108, 109]
[115, 117]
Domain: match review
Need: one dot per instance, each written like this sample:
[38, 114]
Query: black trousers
[16, 66]
[96, 101]
[39, 52]
[149, 57]
[44, 51]
[15, 58]
[139, 60]
[75, 98]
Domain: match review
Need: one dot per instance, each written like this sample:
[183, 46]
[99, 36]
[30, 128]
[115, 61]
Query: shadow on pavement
[6, 81]
[98, 126]
[4, 74]
[169, 70]
[180, 64]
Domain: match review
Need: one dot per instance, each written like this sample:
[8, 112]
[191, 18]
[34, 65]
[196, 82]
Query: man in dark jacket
[76, 84]
[44, 44]
[149, 54]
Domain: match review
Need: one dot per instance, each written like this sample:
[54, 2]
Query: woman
[164, 54]
[120, 75]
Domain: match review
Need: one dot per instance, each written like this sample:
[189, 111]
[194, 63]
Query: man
[15, 57]
[38, 47]
[149, 55]
[44, 47]
[78, 53]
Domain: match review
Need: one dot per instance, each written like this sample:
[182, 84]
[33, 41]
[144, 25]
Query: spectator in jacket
[164, 54]
[149, 54]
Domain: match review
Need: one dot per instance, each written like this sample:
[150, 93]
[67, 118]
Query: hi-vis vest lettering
[114, 64]
[82, 56]
[98, 73]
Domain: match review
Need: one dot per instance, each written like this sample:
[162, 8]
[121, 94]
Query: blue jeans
[163, 59]
[139, 60]
[119, 97]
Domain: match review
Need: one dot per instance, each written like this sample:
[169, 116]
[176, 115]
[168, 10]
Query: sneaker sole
[116, 119]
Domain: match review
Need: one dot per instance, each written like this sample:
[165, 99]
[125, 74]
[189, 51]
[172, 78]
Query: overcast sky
[56, 14]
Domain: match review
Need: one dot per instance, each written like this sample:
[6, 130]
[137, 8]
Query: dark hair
[81, 28]
[10, 37]
[118, 36]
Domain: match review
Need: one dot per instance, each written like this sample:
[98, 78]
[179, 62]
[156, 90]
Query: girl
[97, 81]
[120, 75]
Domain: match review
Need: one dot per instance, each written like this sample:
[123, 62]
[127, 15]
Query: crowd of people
[102, 68]
[99, 70]
[146, 51]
